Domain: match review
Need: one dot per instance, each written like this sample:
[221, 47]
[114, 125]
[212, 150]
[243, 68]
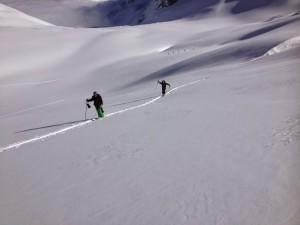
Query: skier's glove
[86, 99]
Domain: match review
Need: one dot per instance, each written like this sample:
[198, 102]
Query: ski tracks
[81, 124]
[31, 83]
[36, 107]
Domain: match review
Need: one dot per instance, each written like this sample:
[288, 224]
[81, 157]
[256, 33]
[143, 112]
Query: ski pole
[86, 107]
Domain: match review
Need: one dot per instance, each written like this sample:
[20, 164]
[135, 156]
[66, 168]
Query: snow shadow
[112, 13]
[121, 13]
[125, 12]
[223, 56]
[267, 29]
[247, 5]
[53, 125]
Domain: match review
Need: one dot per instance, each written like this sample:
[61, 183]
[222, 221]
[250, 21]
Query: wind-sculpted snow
[231, 54]
[267, 29]
[285, 46]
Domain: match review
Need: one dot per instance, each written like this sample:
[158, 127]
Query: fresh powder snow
[221, 147]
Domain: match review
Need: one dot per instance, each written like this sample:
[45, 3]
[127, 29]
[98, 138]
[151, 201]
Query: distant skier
[163, 86]
[98, 103]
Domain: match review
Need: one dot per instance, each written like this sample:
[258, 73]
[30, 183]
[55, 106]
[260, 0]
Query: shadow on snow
[80, 121]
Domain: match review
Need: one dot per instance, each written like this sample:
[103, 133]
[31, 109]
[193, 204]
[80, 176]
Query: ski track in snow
[32, 83]
[62, 131]
[36, 107]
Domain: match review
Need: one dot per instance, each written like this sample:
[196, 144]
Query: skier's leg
[100, 112]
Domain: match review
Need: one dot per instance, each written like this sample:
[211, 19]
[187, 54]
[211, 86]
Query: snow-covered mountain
[88, 13]
[221, 147]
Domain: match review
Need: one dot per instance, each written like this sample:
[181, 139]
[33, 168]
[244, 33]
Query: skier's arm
[169, 85]
[91, 99]
[158, 82]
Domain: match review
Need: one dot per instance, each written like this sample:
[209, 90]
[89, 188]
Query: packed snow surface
[221, 147]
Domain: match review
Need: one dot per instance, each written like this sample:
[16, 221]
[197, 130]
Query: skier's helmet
[95, 92]
[163, 81]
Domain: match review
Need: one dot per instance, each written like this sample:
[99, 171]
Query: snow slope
[221, 148]
[11, 17]
[89, 13]
[285, 46]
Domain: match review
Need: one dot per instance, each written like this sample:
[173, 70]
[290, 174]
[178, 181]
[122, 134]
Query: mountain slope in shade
[85, 13]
